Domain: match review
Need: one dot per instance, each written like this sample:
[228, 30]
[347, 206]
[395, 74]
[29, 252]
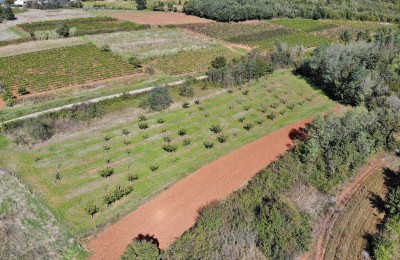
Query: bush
[271, 116]
[105, 48]
[186, 142]
[182, 132]
[125, 131]
[134, 61]
[167, 138]
[186, 90]
[161, 121]
[216, 128]
[63, 30]
[208, 145]
[143, 125]
[107, 172]
[142, 118]
[92, 209]
[117, 194]
[222, 138]
[170, 148]
[154, 167]
[38, 130]
[219, 62]
[141, 4]
[159, 99]
[142, 248]
[23, 91]
[248, 126]
[185, 105]
[132, 177]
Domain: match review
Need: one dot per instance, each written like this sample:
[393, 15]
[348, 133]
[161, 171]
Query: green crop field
[305, 25]
[265, 34]
[117, 5]
[44, 70]
[151, 43]
[191, 61]
[83, 26]
[266, 105]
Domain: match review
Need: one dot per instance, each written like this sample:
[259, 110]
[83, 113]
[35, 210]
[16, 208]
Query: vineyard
[191, 61]
[304, 25]
[44, 70]
[83, 26]
[156, 150]
[265, 34]
[151, 43]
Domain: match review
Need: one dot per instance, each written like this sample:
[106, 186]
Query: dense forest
[241, 10]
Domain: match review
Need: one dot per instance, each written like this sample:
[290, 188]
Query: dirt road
[174, 211]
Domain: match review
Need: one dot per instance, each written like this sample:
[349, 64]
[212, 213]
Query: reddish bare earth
[174, 211]
[158, 18]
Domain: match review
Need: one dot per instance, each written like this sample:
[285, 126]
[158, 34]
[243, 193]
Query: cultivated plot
[144, 157]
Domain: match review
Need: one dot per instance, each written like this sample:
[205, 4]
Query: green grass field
[49, 69]
[304, 25]
[79, 158]
[300, 38]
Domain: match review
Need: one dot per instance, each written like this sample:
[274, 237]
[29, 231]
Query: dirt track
[174, 211]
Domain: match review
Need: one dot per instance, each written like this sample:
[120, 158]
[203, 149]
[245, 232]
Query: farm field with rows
[151, 43]
[83, 26]
[160, 148]
[304, 25]
[49, 69]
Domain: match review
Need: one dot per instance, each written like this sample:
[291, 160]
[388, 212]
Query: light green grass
[305, 25]
[18, 32]
[300, 38]
[79, 157]
[361, 25]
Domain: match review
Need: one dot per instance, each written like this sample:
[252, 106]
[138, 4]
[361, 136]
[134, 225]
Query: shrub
[167, 138]
[63, 30]
[23, 91]
[141, 4]
[186, 90]
[92, 209]
[241, 119]
[182, 132]
[105, 48]
[216, 128]
[142, 118]
[219, 62]
[161, 121]
[154, 167]
[222, 138]
[208, 145]
[186, 142]
[170, 148]
[132, 177]
[159, 99]
[107, 172]
[248, 126]
[271, 116]
[142, 248]
[117, 194]
[125, 131]
[38, 130]
[127, 142]
[197, 102]
[259, 122]
[245, 92]
[107, 138]
[185, 105]
[134, 61]
[143, 125]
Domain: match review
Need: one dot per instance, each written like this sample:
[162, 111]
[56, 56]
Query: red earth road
[171, 213]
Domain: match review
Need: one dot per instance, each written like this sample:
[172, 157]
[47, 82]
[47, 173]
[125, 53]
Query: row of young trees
[240, 10]
[6, 13]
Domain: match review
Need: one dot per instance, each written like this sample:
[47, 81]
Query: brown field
[175, 210]
[158, 18]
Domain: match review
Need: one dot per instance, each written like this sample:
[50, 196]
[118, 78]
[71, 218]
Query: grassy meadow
[65, 171]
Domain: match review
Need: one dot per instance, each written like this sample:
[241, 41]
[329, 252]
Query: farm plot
[304, 25]
[262, 34]
[358, 220]
[45, 70]
[83, 26]
[157, 150]
[191, 61]
[151, 43]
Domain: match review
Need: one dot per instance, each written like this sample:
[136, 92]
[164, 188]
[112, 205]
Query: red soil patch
[175, 210]
[159, 18]
[326, 224]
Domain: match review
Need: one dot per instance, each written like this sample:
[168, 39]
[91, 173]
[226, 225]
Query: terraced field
[157, 150]
[49, 69]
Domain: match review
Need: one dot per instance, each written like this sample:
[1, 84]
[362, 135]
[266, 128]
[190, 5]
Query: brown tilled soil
[174, 211]
[158, 18]
[328, 221]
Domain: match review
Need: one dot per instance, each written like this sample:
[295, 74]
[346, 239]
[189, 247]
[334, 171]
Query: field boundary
[99, 99]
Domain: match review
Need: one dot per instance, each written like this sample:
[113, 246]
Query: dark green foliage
[63, 30]
[186, 142]
[141, 4]
[158, 6]
[170, 148]
[105, 48]
[125, 131]
[23, 91]
[219, 62]
[132, 177]
[159, 99]
[186, 90]
[240, 10]
[142, 248]
[38, 130]
[346, 36]
[393, 203]
[92, 209]
[134, 61]
[182, 132]
[142, 118]
[248, 126]
[107, 172]
[216, 128]
[7, 13]
[222, 138]
[117, 194]
[143, 125]
[208, 145]
[154, 167]
[161, 120]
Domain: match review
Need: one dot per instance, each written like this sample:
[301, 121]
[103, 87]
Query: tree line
[241, 10]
